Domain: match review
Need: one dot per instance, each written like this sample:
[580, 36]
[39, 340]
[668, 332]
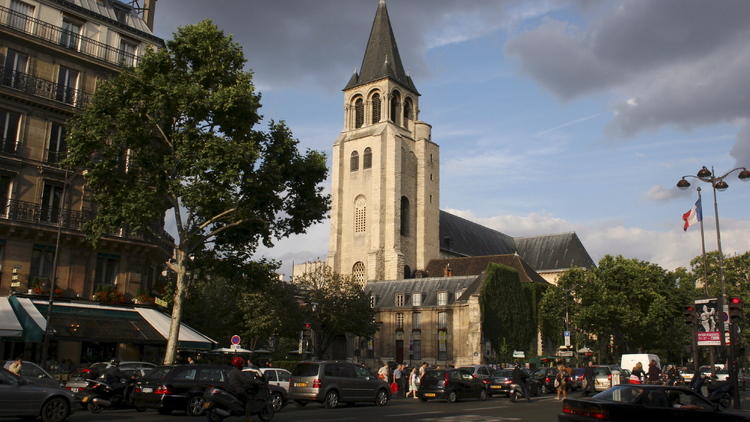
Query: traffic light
[735, 308]
[689, 313]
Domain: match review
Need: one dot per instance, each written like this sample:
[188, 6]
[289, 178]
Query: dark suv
[334, 382]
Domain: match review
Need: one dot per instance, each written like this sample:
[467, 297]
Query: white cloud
[660, 193]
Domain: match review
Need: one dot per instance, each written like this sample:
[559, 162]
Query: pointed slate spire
[381, 57]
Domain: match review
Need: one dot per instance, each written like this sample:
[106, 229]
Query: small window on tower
[360, 215]
[407, 110]
[376, 108]
[354, 161]
[395, 106]
[404, 216]
[367, 158]
[358, 272]
[359, 113]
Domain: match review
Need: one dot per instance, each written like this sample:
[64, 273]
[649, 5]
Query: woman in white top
[413, 383]
[383, 372]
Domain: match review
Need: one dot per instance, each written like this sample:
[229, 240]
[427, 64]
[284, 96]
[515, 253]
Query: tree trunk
[179, 294]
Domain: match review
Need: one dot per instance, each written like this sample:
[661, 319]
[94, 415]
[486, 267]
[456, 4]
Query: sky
[552, 115]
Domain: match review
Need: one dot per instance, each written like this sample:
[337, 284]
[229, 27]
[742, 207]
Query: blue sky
[551, 116]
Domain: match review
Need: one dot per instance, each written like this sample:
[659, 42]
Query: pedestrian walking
[654, 373]
[398, 377]
[637, 375]
[383, 372]
[588, 379]
[413, 383]
[422, 369]
[561, 380]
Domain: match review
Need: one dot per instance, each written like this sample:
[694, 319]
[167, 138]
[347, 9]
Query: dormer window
[399, 300]
[373, 301]
[442, 298]
[416, 299]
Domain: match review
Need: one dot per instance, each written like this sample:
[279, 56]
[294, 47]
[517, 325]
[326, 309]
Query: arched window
[358, 272]
[404, 216]
[367, 158]
[407, 271]
[360, 214]
[359, 113]
[395, 106]
[407, 110]
[354, 161]
[376, 108]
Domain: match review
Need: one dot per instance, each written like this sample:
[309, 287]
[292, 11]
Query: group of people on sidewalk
[404, 381]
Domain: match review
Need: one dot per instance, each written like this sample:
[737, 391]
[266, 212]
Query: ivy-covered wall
[509, 311]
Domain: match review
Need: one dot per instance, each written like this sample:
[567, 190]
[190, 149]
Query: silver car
[20, 398]
[34, 374]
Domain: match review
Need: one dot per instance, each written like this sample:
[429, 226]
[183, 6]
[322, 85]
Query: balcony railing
[30, 84]
[29, 212]
[65, 38]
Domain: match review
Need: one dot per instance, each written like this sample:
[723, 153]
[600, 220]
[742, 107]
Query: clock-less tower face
[385, 199]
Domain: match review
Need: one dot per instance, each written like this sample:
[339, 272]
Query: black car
[451, 385]
[652, 402]
[545, 379]
[181, 388]
[500, 382]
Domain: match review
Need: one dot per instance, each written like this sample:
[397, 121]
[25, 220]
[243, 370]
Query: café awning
[9, 325]
[189, 338]
[32, 321]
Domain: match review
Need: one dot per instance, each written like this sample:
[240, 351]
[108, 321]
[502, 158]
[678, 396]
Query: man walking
[588, 376]
[398, 377]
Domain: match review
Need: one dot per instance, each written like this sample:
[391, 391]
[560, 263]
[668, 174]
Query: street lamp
[719, 183]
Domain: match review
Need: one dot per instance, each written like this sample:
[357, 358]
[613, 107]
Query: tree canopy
[178, 133]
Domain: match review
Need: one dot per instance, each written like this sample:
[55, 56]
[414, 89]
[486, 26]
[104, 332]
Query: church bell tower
[385, 200]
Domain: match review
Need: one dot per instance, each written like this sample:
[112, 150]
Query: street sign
[160, 302]
[566, 335]
[565, 353]
[15, 284]
[235, 340]
[519, 354]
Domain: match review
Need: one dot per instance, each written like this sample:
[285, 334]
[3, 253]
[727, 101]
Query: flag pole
[703, 246]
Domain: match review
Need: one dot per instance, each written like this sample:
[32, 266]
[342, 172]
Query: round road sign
[235, 339]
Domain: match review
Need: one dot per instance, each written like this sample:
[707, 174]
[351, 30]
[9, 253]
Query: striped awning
[9, 325]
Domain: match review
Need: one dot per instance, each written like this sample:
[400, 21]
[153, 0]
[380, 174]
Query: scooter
[219, 404]
[720, 392]
[516, 392]
[100, 396]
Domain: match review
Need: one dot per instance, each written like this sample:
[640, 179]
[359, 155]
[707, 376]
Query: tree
[177, 133]
[336, 305]
[272, 311]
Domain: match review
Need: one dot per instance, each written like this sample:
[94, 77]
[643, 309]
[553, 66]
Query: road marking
[487, 408]
[412, 414]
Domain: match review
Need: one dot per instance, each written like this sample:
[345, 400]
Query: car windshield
[158, 373]
[433, 376]
[306, 370]
[601, 371]
[503, 373]
[621, 394]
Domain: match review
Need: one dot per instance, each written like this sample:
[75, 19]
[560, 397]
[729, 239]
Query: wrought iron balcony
[32, 85]
[59, 36]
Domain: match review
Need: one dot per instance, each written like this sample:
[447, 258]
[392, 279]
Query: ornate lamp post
[718, 183]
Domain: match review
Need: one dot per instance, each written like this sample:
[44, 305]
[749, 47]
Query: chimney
[149, 7]
[447, 271]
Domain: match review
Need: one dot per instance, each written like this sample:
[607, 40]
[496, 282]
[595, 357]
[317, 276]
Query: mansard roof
[385, 291]
[381, 59]
[475, 265]
[460, 237]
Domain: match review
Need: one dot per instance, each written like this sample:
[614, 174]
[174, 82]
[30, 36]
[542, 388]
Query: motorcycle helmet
[238, 362]
[114, 362]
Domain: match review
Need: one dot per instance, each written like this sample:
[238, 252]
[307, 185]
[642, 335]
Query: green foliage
[508, 311]
[336, 305]
[272, 311]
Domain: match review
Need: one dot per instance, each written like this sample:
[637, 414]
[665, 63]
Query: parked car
[628, 402]
[20, 398]
[34, 374]
[79, 380]
[279, 389]
[451, 385]
[334, 382]
[180, 387]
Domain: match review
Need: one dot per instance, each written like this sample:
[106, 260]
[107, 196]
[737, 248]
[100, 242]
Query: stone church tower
[385, 201]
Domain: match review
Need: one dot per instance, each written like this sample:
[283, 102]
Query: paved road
[493, 410]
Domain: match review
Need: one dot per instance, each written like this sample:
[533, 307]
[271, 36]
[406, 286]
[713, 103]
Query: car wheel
[452, 397]
[277, 402]
[194, 406]
[301, 403]
[55, 409]
[725, 401]
[94, 408]
[382, 398]
[483, 395]
[266, 414]
[332, 400]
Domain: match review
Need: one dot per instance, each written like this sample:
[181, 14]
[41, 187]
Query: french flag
[693, 216]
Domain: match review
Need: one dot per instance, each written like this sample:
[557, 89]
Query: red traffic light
[690, 308]
[308, 326]
[735, 300]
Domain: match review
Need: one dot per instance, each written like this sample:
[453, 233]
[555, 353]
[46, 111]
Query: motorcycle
[516, 392]
[100, 396]
[219, 404]
[720, 392]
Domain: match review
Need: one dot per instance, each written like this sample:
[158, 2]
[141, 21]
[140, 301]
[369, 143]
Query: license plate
[85, 399]
[429, 394]
[495, 387]
[147, 390]
[74, 389]
[300, 384]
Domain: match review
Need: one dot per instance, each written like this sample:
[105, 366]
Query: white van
[628, 361]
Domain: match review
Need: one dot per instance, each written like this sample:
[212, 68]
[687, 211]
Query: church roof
[381, 58]
[460, 237]
[385, 291]
[554, 251]
[475, 265]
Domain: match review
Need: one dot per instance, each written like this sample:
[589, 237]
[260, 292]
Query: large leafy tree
[335, 305]
[178, 133]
